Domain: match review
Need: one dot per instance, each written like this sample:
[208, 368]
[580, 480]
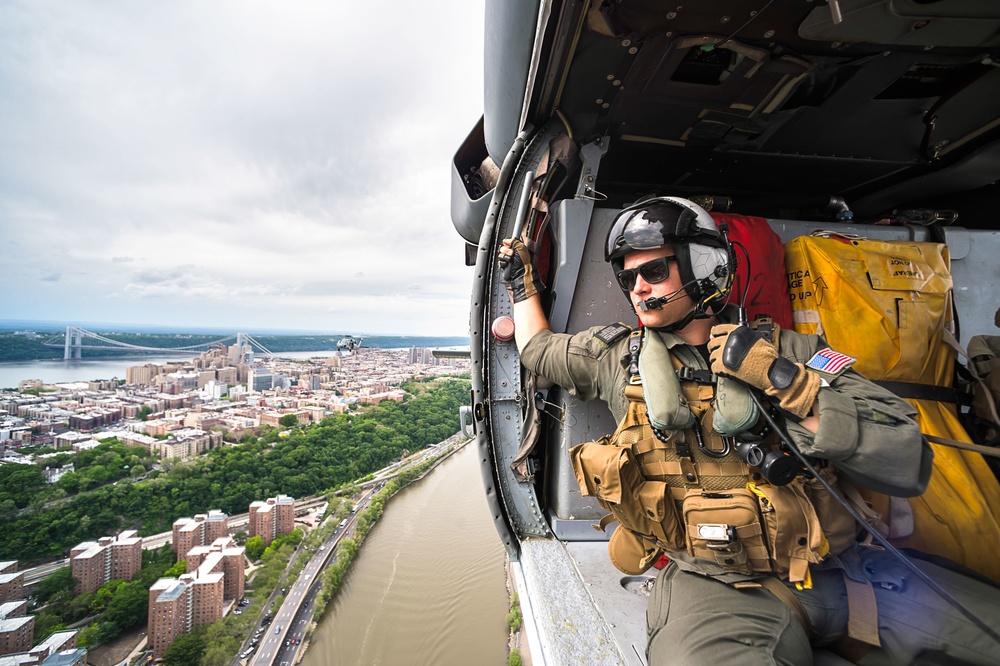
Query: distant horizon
[43, 325]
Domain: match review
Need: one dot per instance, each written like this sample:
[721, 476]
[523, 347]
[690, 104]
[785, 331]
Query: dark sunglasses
[652, 272]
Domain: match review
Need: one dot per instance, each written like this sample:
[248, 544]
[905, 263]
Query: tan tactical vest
[683, 491]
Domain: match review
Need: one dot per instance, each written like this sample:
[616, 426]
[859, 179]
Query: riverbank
[518, 639]
[430, 587]
[339, 564]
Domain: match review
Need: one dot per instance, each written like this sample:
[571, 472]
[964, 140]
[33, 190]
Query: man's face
[681, 302]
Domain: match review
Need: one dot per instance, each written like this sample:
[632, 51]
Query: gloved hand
[519, 275]
[743, 353]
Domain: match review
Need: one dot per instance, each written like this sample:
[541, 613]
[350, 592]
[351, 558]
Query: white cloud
[225, 163]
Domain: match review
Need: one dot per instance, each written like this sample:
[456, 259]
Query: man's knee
[696, 620]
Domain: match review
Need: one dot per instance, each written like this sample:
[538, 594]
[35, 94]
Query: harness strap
[785, 596]
[915, 391]
[991, 451]
[634, 346]
[862, 612]
[871, 516]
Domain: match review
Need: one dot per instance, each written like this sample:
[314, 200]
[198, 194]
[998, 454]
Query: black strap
[915, 391]
[634, 347]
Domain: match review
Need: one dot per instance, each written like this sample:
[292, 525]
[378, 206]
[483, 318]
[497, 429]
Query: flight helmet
[704, 257]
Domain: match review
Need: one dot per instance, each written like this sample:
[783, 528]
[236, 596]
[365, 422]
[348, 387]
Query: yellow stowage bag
[887, 304]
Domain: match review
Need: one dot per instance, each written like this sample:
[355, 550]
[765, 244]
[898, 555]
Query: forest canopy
[336, 451]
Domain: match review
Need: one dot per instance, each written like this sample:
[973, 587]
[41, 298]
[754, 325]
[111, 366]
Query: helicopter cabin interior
[876, 119]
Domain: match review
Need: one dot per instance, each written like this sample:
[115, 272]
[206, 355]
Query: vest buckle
[693, 375]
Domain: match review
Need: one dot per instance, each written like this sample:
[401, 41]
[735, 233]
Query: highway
[283, 636]
[282, 639]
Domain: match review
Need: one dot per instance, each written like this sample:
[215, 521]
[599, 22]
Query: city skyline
[224, 165]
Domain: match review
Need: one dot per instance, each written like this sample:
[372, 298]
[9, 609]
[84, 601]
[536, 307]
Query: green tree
[59, 580]
[144, 413]
[47, 624]
[70, 482]
[514, 658]
[176, 570]
[186, 650]
[87, 637]
[127, 608]
[288, 421]
[255, 547]
[104, 595]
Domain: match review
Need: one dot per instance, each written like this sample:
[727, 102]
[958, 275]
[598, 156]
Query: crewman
[764, 564]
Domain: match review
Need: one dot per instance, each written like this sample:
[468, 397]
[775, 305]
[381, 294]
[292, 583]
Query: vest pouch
[605, 471]
[611, 474]
[725, 527]
[631, 553]
[660, 512]
[794, 535]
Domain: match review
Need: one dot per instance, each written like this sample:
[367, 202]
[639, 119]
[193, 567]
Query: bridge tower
[74, 343]
[241, 347]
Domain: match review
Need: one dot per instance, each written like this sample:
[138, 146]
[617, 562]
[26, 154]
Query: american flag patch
[830, 362]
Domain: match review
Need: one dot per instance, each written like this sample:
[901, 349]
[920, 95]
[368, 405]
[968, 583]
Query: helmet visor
[640, 230]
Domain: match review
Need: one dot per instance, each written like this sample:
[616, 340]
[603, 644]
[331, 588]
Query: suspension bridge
[77, 339]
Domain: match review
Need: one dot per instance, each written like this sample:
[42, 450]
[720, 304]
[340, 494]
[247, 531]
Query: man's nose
[641, 286]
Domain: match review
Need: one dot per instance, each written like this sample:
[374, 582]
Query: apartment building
[69, 657]
[272, 518]
[17, 629]
[11, 582]
[109, 558]
[47, 652]
[176, 605]
[222, 556]
[202, 530]
[274, 418]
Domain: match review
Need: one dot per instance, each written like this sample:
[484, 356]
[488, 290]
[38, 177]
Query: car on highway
[277, 630]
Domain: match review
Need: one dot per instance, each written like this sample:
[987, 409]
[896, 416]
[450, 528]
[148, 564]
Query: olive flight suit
[696, 616]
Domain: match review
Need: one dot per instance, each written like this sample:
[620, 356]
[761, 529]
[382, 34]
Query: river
[82, 370]
[428, 586]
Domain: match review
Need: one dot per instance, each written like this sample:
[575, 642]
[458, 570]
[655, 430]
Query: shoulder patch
[830, 363]
[610, 333]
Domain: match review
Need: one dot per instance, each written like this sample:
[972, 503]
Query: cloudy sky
[244, 164]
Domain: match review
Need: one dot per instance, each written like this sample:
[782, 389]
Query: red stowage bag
[768, 294]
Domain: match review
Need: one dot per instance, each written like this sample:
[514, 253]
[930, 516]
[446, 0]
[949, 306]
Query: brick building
[222, 556]
[201, 530]
[185, 443]
[109, 558]
[203, 595]
[272, 518]
[17, 630]
[11, 582]
[57, 643]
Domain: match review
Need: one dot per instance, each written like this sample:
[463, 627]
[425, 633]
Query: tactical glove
[743, 353]
[519, 275]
